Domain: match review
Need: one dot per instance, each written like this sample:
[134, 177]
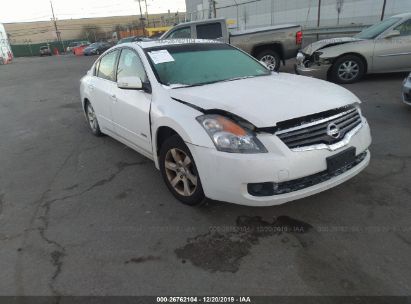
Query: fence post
[383, 10]
[319, 17]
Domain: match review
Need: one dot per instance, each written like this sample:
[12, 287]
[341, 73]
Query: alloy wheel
[348, 70]
[92, 119]
[179, 172]
[270, 61]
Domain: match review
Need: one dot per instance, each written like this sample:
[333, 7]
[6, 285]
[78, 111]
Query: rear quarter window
[209, 31]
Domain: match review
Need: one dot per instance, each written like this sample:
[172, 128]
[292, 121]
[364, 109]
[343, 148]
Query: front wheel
[347, 69]
[179, 172]
[271, 59]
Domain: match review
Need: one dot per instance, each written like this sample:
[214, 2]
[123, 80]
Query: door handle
[91, 87]
[114, 98]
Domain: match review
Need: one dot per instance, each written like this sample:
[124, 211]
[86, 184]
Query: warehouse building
[84, 29]
[309, 13]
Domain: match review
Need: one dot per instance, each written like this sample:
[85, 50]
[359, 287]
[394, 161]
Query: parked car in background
[45, 51]
[72, 45]
[133, 39]
[79, 50]
[406, 90]
[219, 124]
[96, 48]
[382, 48]
[270, 45]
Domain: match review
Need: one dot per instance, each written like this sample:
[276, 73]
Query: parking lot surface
[81, 215]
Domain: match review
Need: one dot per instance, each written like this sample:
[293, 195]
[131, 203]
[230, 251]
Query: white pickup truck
[271, 45]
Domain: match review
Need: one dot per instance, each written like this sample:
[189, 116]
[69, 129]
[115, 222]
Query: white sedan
[218, 124]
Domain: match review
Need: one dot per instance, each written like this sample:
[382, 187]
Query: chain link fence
[247, 14]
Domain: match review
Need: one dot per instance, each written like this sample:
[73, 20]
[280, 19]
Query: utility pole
[141, 14]
[148, 22]
[55, 26]
[383, 10]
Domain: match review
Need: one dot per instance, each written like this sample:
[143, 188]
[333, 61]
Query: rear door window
[209, 31]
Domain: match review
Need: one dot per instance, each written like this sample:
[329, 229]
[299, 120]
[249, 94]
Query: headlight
[228, 136]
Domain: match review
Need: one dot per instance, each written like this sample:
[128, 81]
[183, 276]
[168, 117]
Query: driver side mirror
[130, 83]
[393, 33]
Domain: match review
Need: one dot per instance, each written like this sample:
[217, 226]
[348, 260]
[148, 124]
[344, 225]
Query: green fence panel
[27, 50]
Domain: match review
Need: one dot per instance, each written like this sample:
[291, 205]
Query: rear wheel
[271, 59]
[179, 172]
[92, 120]
[348, 69]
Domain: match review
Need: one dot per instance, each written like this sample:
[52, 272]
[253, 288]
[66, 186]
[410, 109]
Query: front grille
[325, 129]
[270, 189]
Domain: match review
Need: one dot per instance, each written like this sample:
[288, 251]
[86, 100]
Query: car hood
[313, 47]
[267, 100]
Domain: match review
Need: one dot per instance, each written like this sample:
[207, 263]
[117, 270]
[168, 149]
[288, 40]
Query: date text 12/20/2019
[203, 299]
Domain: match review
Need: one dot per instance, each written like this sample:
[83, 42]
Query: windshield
[198, 64]
[377, 29]
[96, 44]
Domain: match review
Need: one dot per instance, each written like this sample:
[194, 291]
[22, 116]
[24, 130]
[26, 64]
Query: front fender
[364, 49]
[180, 118]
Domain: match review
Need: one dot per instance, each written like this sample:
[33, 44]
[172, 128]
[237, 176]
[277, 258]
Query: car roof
[202, 21]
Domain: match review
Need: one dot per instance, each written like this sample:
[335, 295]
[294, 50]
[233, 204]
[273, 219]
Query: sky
[34, 10]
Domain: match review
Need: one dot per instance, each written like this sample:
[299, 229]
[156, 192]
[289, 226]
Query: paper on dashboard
[161, 56]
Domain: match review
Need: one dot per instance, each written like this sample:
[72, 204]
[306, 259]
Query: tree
[92, 33]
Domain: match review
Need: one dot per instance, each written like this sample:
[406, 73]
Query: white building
[5, 49]
[256, 13]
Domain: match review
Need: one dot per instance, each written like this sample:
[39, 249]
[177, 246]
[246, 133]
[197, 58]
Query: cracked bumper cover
[317, 70]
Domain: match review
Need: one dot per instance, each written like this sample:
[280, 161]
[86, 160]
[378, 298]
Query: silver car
[406, 90]
[382, 48]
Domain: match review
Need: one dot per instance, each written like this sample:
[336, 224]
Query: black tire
[197, 197]
[93, 124]
[347, 69]
[268, 56]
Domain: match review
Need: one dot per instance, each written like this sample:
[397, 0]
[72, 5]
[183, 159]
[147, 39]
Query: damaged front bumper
[312, 66]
